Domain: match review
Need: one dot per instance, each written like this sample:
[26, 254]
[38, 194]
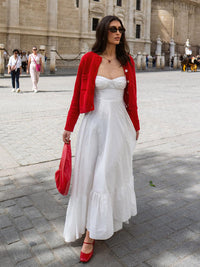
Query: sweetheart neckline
[111, 79]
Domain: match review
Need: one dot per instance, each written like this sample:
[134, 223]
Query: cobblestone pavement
[166, 231]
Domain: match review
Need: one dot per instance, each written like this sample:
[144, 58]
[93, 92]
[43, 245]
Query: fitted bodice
[110, 89]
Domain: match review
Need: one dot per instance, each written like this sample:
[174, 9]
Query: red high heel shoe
[85, 257]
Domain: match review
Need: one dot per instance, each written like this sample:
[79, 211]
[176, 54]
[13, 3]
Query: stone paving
[166, 231]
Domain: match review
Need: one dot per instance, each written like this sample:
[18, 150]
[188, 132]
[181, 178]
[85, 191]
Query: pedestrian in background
[24, 61]
[147, 61]
[14, 67]
[35, 66]
[172, 62]
[103, 195]
[28, 54]
[154, 61]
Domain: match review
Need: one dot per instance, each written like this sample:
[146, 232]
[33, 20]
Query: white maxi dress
[103, 195]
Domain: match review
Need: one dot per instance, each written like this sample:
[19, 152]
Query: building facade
[176, 20]
[69, 26]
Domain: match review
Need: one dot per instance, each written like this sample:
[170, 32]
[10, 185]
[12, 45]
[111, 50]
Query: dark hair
[15, 50]
[122, 49]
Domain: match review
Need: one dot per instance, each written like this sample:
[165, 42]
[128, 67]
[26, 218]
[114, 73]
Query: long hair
[122, 49]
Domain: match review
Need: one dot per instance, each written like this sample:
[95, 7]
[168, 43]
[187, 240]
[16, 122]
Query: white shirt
[24, 59]
[13, 61]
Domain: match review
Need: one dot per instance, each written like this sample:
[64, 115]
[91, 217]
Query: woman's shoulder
[89, 55]
[10, 59]
[131, 57]
[131, 62]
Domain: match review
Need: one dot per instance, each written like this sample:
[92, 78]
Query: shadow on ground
[166, 231]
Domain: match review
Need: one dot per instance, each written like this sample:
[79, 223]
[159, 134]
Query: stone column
[129, 24]
[158, 62]
[84, 27]
[147, 26]
[109, 7]
[159, 46]
[52, 60]
[2, 66]
[42, 52]
[13, 38]
[144, 61]
[172, 48]
[162, 61]
[175, 62]
[139, 60]
[52, 7]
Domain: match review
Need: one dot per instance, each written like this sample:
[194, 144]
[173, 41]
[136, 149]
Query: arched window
[138, 4]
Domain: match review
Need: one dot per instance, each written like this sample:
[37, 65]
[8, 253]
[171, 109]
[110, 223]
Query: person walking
[14, 67]
[24, 61]
[102, 195]
[35, 67]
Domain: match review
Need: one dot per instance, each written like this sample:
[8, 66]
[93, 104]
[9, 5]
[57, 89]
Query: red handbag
[37, 66]
[63, 174]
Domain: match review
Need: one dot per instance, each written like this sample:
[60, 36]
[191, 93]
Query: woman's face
[15, 53]
[34, 50]
[115, 32]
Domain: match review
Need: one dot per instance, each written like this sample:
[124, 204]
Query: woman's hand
[66, 136]
[27, 71]
[137, 135]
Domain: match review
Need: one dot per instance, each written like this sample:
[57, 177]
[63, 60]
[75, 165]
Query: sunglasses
[34, 49]
[115, 29]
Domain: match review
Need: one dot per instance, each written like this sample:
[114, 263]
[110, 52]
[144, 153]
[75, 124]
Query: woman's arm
[42, 70]
[134, 113]
[9, 65]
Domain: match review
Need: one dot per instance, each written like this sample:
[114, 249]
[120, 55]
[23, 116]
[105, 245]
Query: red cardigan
[83, 97]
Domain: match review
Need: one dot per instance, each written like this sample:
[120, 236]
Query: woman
[14, 67]
[33, 60]
[102, 195]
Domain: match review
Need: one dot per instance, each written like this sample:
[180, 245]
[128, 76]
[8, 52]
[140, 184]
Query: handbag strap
[34, 59]
[16, 62]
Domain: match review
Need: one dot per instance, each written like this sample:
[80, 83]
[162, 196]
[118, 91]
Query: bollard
[139, 60]
[162, 61]
[158, 62]
[144, 61]
[175, 62]
[2, 65]
[178, 61]
[52, 59]
[150, 62]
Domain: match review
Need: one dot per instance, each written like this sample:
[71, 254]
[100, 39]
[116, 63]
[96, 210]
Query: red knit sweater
[83, 97]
